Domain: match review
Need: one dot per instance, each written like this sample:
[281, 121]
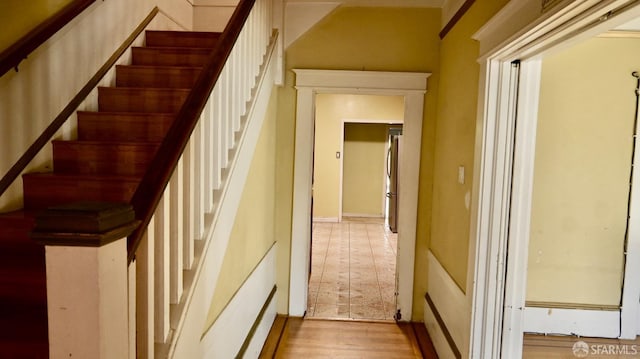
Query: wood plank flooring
[318, 338]
[314, 338]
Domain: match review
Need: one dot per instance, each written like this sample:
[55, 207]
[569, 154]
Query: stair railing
[176, 196]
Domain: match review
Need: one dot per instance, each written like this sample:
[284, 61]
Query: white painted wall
[212, 15]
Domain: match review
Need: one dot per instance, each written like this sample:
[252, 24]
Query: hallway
[353, 270]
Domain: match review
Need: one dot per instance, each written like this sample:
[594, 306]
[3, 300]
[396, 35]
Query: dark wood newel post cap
[84, 224]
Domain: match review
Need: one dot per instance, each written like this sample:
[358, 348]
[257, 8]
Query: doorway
[506, 187]
[412, 86]
[353, 253]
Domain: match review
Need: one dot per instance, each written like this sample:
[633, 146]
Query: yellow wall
[253, 231]
[455, 139]
[364, 173]
[375, 39]
[331, 110]
[582, 166]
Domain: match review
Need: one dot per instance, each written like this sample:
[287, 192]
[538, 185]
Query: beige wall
[331, 111]
[49, 78]
[253, 231]
[374, 39]
[364, 168]
[582, 167]
[455, 140]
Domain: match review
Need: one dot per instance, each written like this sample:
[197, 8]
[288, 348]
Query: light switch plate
[461, 174]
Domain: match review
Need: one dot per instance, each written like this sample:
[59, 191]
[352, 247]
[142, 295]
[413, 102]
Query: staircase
[106, 162]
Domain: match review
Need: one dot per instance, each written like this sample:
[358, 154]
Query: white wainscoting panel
[438, 338]
[225, 338]
[450, 302]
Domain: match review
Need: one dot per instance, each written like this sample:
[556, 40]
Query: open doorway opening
[309, 83]
[548, 161]
[353, 251]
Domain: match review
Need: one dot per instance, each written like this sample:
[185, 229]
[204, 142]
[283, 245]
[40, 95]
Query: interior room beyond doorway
[353, 263]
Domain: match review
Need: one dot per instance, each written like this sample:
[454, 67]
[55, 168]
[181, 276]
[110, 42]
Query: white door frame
[311, 82]
[502, 186]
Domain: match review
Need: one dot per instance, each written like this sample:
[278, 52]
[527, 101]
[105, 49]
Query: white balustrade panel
[198, 172]
[161, 266]
[188, 205]
[207, 193]
[176, 215]
[145, 297]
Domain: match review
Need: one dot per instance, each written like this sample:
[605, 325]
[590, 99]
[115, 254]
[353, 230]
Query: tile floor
[353, 270]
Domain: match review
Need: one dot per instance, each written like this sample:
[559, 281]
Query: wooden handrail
[152, 186]
[71, 107]
[14, 54]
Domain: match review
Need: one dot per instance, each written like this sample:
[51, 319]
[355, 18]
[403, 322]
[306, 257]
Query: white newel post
[87, 278]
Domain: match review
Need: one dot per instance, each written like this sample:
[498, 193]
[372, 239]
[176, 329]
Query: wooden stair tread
[43, 190]
[168, 68]
[123, 126]
[170, 56]
[181, 38]
[77, 177]
[98, 157]
[156, 76]
[93, 143]
[131, 99]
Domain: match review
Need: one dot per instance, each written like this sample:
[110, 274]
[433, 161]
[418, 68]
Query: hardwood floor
[314, 338]
[319, 338]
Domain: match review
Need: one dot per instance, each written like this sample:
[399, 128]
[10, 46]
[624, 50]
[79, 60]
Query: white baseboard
[582, 322]
[326, 219]
[363, 215]
[229, 332]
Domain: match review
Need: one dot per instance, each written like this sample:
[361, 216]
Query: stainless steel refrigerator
[395, 135]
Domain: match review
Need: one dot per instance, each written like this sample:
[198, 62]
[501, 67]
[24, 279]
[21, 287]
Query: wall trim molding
[326, 219]
[442, 328]
[244, 324]
[621, 34]
[448, 302]
[580, 322]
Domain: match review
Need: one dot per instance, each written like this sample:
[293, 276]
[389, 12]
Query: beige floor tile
[353, 271]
